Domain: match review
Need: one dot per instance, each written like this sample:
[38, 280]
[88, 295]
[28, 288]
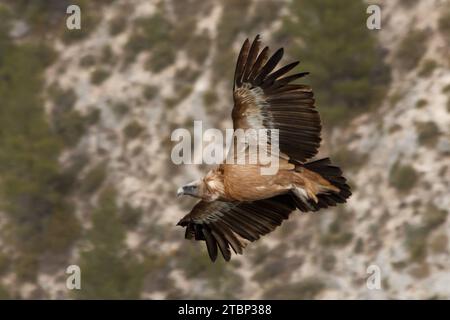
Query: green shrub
[87, 61]
[411, 49]
[336, 236]
[68, 176]
[408, 3]
[428, 133]
[198, 48]
[99, 75]
[444, 22]
[161, 57]
[4, 294]
[421, 103]
[417, 236]
[181, 94]
[439, 244]
[63, 229]
[120, 108]
[427, 68]
[93, 179]
[305, 289]
[70, 125]
[148, 34]
[117, 25]
[403, 177]
[150, 92]
[62, 99]
[349, 159]
[446, 89]
[92, 117]
[130, 216]
[433, 217]
[107, 55]
[133, 130]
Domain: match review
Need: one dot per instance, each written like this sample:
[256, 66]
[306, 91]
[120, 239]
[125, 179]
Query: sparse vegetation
[338, 233]
[198, 48]
[133, 130]
[347, 79]
[403, 177]
[427, 68]
[439, 244]
[152, 34]
[305, 289]
[87, 61]
[99, 75]
[29, 151]
[408, 3]
[444, 22]
[107, 55]
[349, 159]
[117, 25]
[150, 92]
[94, 179]
[428, 133]
[417, 236]
[61, 98]
[433, 217]
[70, 125]
[411, 49]
[110, 271]
[421, 103]
[130, 216]
[446, 89]
[120, 108]
[210, 98]
[219, 276]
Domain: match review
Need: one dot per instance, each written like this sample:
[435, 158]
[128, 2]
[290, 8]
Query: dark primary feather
[289, 108]
[226, 225]
[240, 64]
[251, 58]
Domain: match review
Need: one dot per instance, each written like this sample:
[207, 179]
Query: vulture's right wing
[229, 224]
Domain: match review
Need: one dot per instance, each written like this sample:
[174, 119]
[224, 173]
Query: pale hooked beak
[189, 189]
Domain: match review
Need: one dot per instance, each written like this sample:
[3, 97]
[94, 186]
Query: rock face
[132, 90]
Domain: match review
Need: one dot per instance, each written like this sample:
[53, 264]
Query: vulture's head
[209, 188]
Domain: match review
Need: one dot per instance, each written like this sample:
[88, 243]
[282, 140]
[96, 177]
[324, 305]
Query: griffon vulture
[237, 203]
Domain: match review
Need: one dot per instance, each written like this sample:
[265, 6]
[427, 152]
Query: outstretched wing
[232, 224]
[267, 100]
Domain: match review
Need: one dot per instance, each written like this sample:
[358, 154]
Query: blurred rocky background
[85, 170]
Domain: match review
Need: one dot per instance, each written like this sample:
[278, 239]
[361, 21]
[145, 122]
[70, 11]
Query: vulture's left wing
[267, 100]
[232, 224]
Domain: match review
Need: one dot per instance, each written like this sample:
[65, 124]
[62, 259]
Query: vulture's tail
[331, 198]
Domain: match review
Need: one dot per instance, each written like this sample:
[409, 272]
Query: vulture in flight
[237, 203]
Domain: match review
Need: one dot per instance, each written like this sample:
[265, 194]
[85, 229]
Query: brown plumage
[238, 204]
